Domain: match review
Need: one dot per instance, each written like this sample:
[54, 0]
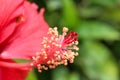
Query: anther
[56, 50]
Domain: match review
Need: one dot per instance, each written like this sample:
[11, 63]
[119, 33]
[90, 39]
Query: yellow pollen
[54, 51]
[65, 30]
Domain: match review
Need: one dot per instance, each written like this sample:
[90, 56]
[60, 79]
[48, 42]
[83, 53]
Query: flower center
[57, 49]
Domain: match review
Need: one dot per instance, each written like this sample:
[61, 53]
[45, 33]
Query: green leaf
[74, 76]
[106, 3]
[112, 15]
[97, 30]
[90, 12]
[32, 76]
[97, 61]
[70, 14]
[53, 4]
[60, 73]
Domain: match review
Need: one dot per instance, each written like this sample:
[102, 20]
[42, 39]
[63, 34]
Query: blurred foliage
[98, 25]
[32, 76]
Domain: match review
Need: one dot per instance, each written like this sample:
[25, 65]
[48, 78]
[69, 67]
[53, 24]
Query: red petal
[9, 10]
[12, 74]
[26, 40]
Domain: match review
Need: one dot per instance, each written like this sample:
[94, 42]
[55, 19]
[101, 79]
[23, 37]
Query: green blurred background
[98, 24]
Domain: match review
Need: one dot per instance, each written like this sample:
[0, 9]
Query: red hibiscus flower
[24, 34]
[21, 29]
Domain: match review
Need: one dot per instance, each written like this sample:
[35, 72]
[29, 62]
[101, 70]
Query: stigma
[56, 49]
